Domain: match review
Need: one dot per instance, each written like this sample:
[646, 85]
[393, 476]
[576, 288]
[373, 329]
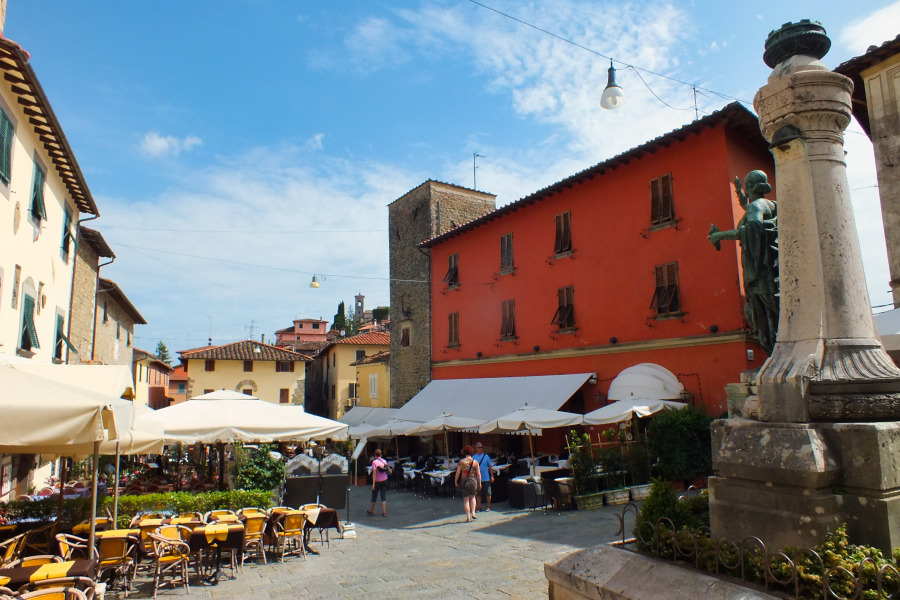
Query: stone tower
[427, 211]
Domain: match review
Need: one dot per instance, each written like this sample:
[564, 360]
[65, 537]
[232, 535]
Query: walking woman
[467, 470]
[381, 472]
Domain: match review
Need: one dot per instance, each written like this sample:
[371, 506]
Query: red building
[606, 269]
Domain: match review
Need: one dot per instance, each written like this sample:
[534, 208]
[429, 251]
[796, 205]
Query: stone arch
[247, 383]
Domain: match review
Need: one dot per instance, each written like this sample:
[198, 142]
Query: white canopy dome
[645, 381]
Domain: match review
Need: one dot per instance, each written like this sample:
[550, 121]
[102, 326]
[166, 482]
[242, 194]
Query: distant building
[333, 376]
[151, 379]
[266, 372]
[178, 385]
[373, 381]
[114, 321]
[303, 330]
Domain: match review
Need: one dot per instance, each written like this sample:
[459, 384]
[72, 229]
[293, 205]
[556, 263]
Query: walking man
[487, 477]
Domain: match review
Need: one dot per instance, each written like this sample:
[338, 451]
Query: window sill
[663, 225]
[453, 346]
[452, 286]
[669, 316]
[509, 338]
[567, 330]
[507, 272]
[566, 254]
[25, 353]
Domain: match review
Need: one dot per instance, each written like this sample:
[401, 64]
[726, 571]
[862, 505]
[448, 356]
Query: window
[453, 337]
[352, 390]
[565, 313]
[508, 322]
[563, 233]
[314, 325]
[248, 366]
[506, 253]
[17, 278]
[29, 339]
[404, 336]
[207, 391]
[6, 144]
[180, 387]
[210, 365]
[334, 359]
[452, 276]
[66, 234]
[332, 392]
[38, 210]
[284, 366]
[118, 331]
[247, 391]
[373, 385]
[662, 209]
[284, 396]
[360, 354]
[105, 312]
[128, 338]
[665, 296]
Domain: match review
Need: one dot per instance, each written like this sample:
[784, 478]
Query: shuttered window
[564, 317]
[38, 210]
[284, 366]
[563, 233]
[6, 142]
[284, 396]
[67, 238]
[373, 385]
[404, 336]
[506, 253]
[61, 340]
[29, 340]
[452, 276]
[453, 337]
[508, 322]
[665, 296]
[662, 208]
[352, 390]
[209, 365]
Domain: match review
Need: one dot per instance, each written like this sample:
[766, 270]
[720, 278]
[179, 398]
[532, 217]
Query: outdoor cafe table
[228, 536]
[16, 577]
[316, 518]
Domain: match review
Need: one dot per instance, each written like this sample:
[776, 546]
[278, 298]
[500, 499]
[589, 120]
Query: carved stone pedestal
[796, 482]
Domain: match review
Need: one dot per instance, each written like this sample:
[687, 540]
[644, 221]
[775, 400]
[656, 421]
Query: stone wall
[429, 210]
[84, 290]
[111, 343]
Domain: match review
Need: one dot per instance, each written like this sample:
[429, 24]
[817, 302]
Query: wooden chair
[40, 540]
[11, 549]
[215, 515]
[254, 527]
[72, 547]
[170, 558]
[118, 558]
[324, 537]
[34, 561]
[56, 593]
[196, 516]
[85, 584]
[251, 510]
[7, 594]
[289, 531]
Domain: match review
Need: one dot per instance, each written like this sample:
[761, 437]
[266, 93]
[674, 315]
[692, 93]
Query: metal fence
[800, 574]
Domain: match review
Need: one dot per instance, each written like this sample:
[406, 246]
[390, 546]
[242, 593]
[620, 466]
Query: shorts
[380, 486]
[470, 488]
[485, 489]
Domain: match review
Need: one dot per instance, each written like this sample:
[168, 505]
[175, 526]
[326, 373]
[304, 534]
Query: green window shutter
[6, 140]
[67, 232]
[37, 194]
[29, 331]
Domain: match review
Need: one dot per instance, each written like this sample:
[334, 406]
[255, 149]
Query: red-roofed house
[267, 372]
[178, 385]
[335, 377]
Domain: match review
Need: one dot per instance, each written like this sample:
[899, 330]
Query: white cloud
[873, 29]
[158, 146]
[315, 142]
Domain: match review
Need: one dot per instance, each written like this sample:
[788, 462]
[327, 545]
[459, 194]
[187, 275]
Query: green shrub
[639, 460]
[583, 466]
[256, 468]
[612, 462]
[683, 442]
[178, 502]
[75, 510]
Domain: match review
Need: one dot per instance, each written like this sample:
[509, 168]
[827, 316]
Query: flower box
[620, 496]
[589, 501]
[640, 492]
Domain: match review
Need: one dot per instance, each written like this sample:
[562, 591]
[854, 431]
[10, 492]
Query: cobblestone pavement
[422, 549]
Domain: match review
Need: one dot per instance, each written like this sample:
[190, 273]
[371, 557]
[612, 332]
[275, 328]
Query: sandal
[370, 512]
[474, 517]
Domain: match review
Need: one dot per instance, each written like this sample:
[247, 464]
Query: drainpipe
[97, 293]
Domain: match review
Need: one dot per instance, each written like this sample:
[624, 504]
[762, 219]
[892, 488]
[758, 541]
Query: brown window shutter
[667, 204]
[655, 201]
[558, 245]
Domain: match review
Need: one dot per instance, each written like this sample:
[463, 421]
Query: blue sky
[237, 147]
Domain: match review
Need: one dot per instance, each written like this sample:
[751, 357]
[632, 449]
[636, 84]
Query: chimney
[262, 338]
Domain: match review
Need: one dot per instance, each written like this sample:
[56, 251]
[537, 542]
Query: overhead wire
[614, 60]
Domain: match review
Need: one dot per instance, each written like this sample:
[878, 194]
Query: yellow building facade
[266, 372]
[373, 381]
[339, 375]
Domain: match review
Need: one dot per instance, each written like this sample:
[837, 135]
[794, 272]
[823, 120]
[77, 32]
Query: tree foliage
[381, 313]
[162, 352]
[340, 318]
[256, 468]
[682, 441]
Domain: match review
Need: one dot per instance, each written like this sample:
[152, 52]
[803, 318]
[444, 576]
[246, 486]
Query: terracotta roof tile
[244, 350]
[380, 357]
[370, 338]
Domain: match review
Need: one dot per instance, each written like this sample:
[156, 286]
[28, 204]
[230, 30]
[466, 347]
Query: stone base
[610, 573]
[790, 484]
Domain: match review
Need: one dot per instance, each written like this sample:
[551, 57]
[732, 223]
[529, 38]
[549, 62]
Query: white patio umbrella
[531, 419]
[444, 423]
[392, 429]
[625, 410]
[42, 416]
[227, 416]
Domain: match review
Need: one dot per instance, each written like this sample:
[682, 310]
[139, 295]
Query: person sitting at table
[467, 470]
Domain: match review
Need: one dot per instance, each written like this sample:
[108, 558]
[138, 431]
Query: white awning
[359, 415]
[888, 326]
[491, 397]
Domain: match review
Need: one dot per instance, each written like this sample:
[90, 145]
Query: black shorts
[485, 489]
[380, 486]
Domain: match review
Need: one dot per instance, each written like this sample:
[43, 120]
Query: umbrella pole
[116, 491]
[446, 450]
[397, 440]
[63, 463]
[95, 462]
[221, 466]
[531, 448]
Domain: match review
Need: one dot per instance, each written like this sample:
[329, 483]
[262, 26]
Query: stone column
[827, 364]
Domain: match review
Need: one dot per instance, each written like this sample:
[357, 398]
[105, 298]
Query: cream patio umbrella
[625, 410]
[531, 419]
[442, 424]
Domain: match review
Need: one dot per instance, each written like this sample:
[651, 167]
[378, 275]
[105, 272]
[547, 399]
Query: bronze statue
[757, 232]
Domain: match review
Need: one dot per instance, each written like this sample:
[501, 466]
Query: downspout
[97, 293]
[72, 289]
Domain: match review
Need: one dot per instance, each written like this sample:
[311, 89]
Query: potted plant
[612, 463]
[584, 472]
[638, 461]
[682, 441]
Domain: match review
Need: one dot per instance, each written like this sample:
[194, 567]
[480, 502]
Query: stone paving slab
[422, 549]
